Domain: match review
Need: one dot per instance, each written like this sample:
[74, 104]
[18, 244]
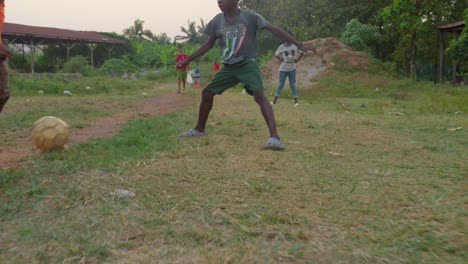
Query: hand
[182, 64]
[306, 47]
[4, 52]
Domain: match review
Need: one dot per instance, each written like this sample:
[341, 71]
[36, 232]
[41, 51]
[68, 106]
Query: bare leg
[3, 102]
[178, 83]
[267, 112]
[4, 91]
[183, 82]
[205, 108]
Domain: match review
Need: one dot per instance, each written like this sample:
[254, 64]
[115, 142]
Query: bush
[360, 36]
[78, 64]
[118, 66]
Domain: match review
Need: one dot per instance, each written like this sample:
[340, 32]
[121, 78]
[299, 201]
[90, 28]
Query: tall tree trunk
[413, 57]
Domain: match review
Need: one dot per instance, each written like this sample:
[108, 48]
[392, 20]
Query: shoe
[296, 104]
[271, 102]
[192, 133]
[274, 144]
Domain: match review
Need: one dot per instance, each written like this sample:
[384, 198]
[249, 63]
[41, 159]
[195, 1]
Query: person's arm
[202, 50]
[4, 52]
[300, 57]
[279, 58]
[280, 33]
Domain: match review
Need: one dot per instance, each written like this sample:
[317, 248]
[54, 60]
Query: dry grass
[350, 188]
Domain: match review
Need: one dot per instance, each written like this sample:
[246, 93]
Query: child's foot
[192, 133]
[296, 104]
[274, 144]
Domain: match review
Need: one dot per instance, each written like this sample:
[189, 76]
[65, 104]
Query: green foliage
[360, 36]
[406, 23]
[116, 67]
[136, 31]
[78, 64]
[55, 84]
[417, 97]
[158, 75]
[458, 49]
[193, 34]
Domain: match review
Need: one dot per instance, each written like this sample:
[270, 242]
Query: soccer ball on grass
[50, 133]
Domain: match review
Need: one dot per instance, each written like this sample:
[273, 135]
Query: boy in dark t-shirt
[236, 30]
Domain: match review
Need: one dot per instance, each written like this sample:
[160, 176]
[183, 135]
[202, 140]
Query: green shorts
[181, 74]
[246, 72]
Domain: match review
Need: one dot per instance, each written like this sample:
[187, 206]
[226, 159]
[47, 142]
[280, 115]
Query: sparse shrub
[78, 64]
[118, 66]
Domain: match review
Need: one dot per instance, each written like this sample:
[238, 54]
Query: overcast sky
[160, 16]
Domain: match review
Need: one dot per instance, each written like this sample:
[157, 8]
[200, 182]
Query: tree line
[400, 32]
[397, 31]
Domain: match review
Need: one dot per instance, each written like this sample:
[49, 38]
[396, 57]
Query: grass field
[364, 179]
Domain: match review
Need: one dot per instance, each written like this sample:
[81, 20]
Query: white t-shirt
[289, 54]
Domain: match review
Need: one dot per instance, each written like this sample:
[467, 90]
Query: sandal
[274, 144]
[192, 133]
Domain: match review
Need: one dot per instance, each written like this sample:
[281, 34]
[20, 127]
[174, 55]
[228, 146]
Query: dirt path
[103, 127]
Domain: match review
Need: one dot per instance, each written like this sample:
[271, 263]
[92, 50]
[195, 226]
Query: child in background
[196, 77]
[4, 55]
[181, 71]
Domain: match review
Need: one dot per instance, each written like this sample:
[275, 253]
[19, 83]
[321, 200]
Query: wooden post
[109, 50]
[33, 50]
[454, 63]
[69, 47]
[441, 56]
[92, 47]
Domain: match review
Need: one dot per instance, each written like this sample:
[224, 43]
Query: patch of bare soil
[102, 127]
[313, 65]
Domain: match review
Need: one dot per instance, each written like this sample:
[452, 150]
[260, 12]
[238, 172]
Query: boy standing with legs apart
[181, 71]
[4, 54]
[236, 30]
[288, 54]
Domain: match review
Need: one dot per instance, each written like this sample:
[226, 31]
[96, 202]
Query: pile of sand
[330, 53]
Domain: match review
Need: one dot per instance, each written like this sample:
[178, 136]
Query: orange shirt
[2, 19]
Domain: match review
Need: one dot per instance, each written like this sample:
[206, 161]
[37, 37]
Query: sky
[160, 16]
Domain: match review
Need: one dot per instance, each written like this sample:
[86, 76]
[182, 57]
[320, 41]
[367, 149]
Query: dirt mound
[331, 53]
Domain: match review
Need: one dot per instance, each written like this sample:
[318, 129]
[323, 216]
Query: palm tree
[192, 34]
[137, 32]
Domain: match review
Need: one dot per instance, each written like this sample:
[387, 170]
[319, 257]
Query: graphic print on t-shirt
[234, 36]
[289, 55]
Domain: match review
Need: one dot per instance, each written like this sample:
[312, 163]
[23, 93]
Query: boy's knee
[259, 97]
[207, 93]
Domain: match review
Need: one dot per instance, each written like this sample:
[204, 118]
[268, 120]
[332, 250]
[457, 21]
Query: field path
[103, 127]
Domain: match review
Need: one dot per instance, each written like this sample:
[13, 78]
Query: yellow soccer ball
[50, 133]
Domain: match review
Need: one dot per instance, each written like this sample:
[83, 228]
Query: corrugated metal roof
[56, 34]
